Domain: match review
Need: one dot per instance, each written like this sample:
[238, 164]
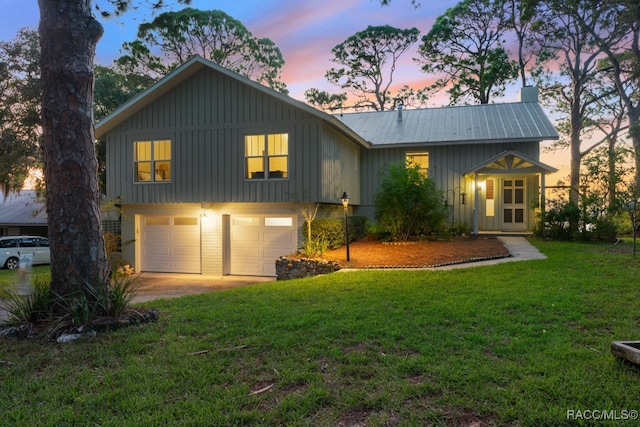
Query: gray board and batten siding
[206, 117]
[447, 164]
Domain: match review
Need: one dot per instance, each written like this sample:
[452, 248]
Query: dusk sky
[304, 30]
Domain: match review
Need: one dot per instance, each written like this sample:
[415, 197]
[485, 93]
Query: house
[22, 213]
[210, 166]
[25, 213]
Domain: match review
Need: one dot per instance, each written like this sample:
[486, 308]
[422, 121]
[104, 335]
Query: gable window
[266, 156]
[421, 160]
[152, 160]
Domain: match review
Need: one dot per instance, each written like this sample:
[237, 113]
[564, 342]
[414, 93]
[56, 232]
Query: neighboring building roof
[188, 69]
[486, 123]
[23, 208]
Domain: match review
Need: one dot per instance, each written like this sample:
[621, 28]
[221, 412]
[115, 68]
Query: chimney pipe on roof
[529, 94]
[400, 107]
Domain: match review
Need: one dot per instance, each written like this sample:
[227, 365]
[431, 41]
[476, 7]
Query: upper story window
[267, 156]
[152, 160]
[421, 160]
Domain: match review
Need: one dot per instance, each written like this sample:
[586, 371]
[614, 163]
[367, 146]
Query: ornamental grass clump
[79, 311]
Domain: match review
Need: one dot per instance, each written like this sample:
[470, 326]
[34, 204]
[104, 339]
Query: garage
[170, 244]
[256, 241]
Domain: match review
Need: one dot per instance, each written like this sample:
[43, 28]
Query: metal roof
[486, 123]
[22, 208]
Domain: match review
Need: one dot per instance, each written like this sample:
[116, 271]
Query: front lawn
[520, 343]
[9, 278]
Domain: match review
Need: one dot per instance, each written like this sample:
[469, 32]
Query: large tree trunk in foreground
[68, 37]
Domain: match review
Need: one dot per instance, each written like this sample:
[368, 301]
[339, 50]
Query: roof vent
[400, 107]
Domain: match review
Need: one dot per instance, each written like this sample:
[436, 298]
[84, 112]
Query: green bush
[460, 229]
[408, 203]
[357, 227]
[622, 223]
[331, 230]
[565, 221]
[559, 220]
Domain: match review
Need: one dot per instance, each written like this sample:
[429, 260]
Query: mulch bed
[433, 253]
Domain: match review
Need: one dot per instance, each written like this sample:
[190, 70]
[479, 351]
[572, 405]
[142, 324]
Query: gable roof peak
[186, 70]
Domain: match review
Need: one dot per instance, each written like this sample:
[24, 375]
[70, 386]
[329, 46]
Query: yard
[522, 343]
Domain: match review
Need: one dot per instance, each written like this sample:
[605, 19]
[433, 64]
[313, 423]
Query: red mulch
[371, 254]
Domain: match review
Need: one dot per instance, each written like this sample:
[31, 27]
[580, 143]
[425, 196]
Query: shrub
[378, 232]
[460, 229]
[408, 203]
[565, 221]
[559, 220]
[331, 231]
[357, 227]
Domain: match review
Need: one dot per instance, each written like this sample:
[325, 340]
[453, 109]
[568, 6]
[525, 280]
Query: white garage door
[170, 244]
[257, 241]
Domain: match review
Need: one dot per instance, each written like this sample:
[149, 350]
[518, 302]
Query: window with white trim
[266, 156]
[420, 159]
[152, 160]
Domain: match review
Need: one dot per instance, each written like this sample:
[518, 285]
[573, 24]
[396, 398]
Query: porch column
[476, 205]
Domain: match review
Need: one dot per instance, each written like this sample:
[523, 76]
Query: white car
[13, 247]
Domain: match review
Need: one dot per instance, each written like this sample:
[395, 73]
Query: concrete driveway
[151, 286]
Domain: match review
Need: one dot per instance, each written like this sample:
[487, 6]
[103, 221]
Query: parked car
[13, 247]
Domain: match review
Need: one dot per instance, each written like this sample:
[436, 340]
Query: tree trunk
[576, 155]
[68, 38]
[634, 125]
[612, 181]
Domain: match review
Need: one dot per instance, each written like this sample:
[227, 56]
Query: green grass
[513, 344]
[9, 278]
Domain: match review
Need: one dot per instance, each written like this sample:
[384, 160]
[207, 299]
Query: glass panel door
[514, 205]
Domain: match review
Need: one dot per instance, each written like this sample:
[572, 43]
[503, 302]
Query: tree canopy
[369, 60]
[113, 88]
[173, 37]
[466, 50]
[19, 109]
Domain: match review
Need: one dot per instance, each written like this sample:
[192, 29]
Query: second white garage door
[258, 241]
[170, 244]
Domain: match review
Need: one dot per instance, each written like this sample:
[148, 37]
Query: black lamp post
[345, 203]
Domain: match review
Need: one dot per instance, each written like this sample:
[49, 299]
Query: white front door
[514, 207]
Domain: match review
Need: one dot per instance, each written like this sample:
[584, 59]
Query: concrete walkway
[152, 286]
[520, 248]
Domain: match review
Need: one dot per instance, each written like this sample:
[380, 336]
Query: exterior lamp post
[345, 203]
